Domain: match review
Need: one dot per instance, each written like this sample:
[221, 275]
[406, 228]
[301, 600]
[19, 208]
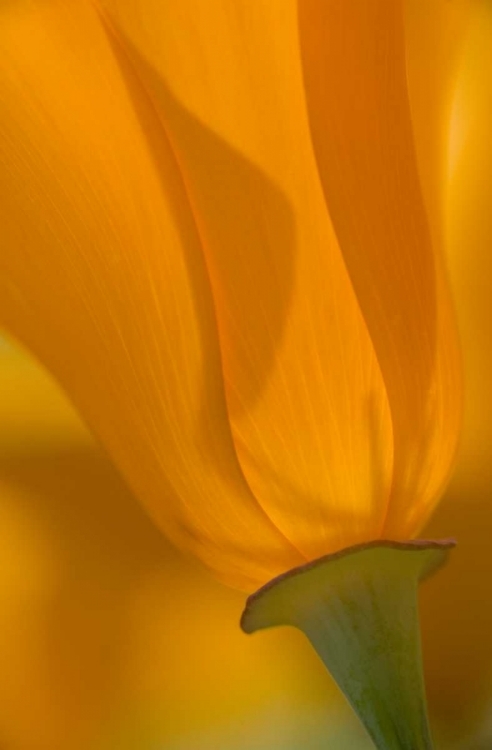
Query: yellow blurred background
[110, 640]
[457, 604]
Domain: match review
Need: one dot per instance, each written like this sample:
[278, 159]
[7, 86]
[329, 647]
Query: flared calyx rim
[359, 609]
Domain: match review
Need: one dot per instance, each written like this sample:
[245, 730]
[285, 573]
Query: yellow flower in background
[106, 634]
[459, 667]
[268, 357]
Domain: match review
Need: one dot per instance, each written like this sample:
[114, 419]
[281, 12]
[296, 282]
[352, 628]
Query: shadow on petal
[245, 222]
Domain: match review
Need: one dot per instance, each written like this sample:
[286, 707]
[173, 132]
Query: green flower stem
[359, 609]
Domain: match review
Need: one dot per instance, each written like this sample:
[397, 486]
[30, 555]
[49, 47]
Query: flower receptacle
[359, 609]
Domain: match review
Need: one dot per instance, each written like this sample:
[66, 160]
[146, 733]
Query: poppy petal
[355, 73]
[103, 277]
[306, 399]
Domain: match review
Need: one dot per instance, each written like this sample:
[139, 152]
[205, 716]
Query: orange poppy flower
[268, 357]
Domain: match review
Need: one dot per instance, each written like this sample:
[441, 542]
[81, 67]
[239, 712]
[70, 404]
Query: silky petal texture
[306, 399]
[102, 276]
[355, 73]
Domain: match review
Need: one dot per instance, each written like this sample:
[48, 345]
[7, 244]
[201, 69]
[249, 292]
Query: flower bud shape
[215, 234]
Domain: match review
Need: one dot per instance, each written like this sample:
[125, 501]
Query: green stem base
[359, 609]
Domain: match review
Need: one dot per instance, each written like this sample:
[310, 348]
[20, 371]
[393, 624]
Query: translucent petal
[355, 73]
[306, 399]
[102, 275]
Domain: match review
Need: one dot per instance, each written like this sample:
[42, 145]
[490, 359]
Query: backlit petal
[435, 32]
[355, 72]
[102, 275]
[306, 399]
